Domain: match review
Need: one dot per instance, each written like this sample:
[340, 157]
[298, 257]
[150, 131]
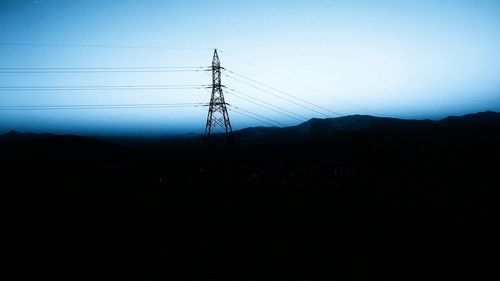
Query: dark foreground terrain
[348, 198]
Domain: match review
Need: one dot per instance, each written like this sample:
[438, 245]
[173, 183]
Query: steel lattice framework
[218, 118]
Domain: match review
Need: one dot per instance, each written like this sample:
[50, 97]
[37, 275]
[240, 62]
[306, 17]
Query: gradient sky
[409, 59]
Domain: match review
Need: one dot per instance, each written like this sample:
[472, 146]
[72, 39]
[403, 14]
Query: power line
[252, 117]
[101, 87]
[91, 68]
[245, 61]
[259, 117]
[285, 93]
[299, 83]
[101, 71]
[278, 96]
[98, 89]
[98, 106]
[110, 86]
[262, 103]
[43, 70]
[32, 44]
[106, 105]
[270, 104]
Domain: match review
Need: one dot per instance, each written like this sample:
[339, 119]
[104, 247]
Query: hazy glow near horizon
[410, 59]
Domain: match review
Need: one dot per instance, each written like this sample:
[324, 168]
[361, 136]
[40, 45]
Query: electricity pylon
[218, 130]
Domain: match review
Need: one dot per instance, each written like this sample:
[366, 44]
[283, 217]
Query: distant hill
[15, 136]
[487, 119]
[323, 129]
[312, 130]
[50, 147]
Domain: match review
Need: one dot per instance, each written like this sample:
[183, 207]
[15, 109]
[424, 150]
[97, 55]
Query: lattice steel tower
[218, 118]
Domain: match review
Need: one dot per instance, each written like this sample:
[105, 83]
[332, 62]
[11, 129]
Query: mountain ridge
[330, 128]
[314, 128]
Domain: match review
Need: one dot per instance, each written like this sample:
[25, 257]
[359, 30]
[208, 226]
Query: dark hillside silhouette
[362, 124]
[355, 197]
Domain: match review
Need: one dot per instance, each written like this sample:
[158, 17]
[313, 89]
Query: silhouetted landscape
[350, 197]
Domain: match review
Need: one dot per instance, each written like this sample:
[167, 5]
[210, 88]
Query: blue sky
[409, 59]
